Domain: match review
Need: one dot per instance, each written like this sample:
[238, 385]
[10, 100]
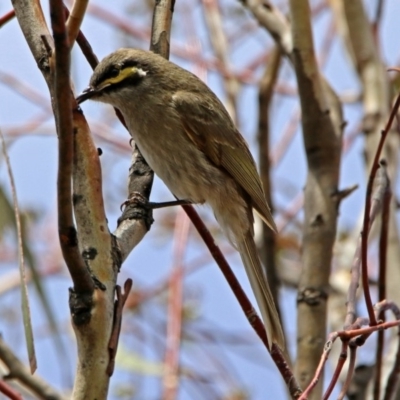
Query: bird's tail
[262, 292]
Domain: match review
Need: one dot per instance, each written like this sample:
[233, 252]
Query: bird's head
[119, 75]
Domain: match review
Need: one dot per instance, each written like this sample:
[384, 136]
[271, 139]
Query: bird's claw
[135, 198]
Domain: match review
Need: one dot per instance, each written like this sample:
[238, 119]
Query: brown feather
[222, 144]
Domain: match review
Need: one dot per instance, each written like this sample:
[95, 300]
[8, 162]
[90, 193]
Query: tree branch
[322, 130]
[19, 372]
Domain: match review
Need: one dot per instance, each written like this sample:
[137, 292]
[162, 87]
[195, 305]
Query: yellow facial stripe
[123, 74]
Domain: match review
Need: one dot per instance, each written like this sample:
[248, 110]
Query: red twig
[366, 222]
[84, 45]
[350, 373]
[87, 50]
[353, 332]
[351, 302]
[243, 300]
[338, 370]
[8, 391]
[327, 349]
[368, 330]
[7, 18]
[320, 368]
[226, 270]
[115, 334]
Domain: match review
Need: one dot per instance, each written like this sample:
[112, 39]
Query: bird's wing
[217, 137]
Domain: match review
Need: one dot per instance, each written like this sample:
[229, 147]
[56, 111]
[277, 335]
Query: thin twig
[87, 50]
[376, 205]
[319, 370]
[379, 308]
[350, 373]
[351, 335]
[118, 309]
[75, 19]
[338, 370]
[9, 391]
[23, 280]
[383, 242]
[244, 301]
[226, 270]
[84, 45]
[7, 17]
[366, 220]
[18, 371]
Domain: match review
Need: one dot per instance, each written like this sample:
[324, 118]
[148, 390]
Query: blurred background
[221, 42]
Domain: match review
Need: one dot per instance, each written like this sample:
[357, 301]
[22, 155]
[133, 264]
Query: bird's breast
[171, 154]
[187, 171]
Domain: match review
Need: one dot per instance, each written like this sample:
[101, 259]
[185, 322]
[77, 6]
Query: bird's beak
[88, 93]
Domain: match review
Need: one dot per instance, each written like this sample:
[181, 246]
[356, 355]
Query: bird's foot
[137, 198]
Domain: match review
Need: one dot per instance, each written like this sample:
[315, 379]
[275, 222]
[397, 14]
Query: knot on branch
[339, 195]
[140, 175]
[251, 315]
[116, 254]
[267, 6]
[43, 61]
[80, 305]
[311, 296]
[369, 122]
[89, 254]
[317, 221]
[68, 236]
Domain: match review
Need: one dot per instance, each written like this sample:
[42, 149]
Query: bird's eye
[113, 72]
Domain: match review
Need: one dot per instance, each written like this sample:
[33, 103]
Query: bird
[189, 140]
